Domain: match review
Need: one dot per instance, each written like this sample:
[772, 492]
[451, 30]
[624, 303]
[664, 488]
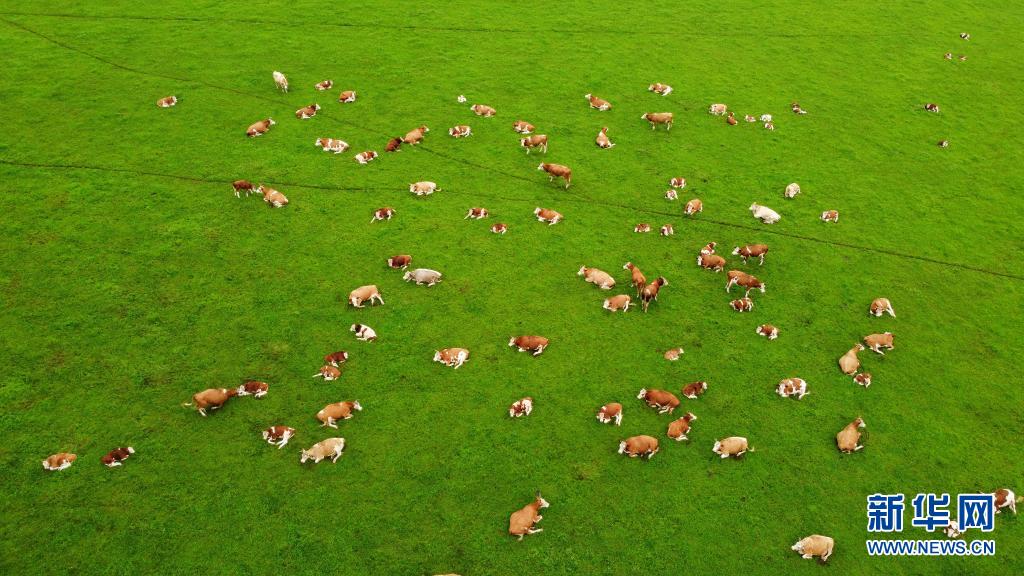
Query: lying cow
[335, 358]
[363, 332]
[324, 85]
[659, 88]
[331, 145]
[329, 372]
[460, 131]
[764, 213]
[751, 251]
[711, 262]
[602, 139]
[875, 342]
[742, 305]
[483, 110]
[814, 545]
[272, 197]
[598, 103]
[366, 156]
[673, 354]
[849, 363]
[731, 120]
[643, 446]
[522, 127]
[535, 141]
[616, 303]
[660, 400]
[167, 101]
[454, 357]
[692, 207]
[864, 379]
[330, 414]
[347, 97]
[278, 435]
[830, 216]
[694, 389]
[547, 215]
[422, 276]
[667, 230]
[116, 456]
[400, 261]
[281, 81]
[59, 461]
[522, 521]
[1005, 498]
[848, 439]
[382, 214]
[476, 214]
[253, 388]
[363, 294]
[768, 331]
[329, 448]
[792, 190]
[932, 107]
[259, 128]
[415, 136]
[307, 112]
[393, 145]
[599, 278]
[499, 228]
[656, 118]
[211, 398]
[535, 344]
[423, 188]
[610, 412]
[678, 183]
[881, 306]
[795, 387]
[709, 248]
[671, 195]
[718, 109]
[642, 228]
[678, 429]
[521, 407]
[734, 446]
[557, 171]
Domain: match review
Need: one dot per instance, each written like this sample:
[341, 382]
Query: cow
[600, 278]
[331, 145]
[749, 118]
[522, 521]
[167, 101]
[694, 389]
[881, 306]
[814, 545]
[382, 214]
[422, 276]
[610, 412]
[423, 188]
[329, 448]
[476, 213]
[278, 435]
[347, 97]
[281, 81]
[764, 213]
[650, 291]
[461, 99]
[795, 107]
[734, 446]
[328, 372]
[400, 261]
[307, 112]
[692, 207]
[598, 103]
[602, 140]
[766, 118]
[522, 127]
[642, 228]
[678, 429]
[849, 363]
[335, 358]
[59, 461]
[965, 36]
[744, 280]
[864, 379]
[673, 354]
[830, 216]
[718, 109]
[360, 295]
[932, 107]
[366, 156]
[535, 344]
[678, 183]
[962, 58]
[943, 144]
[948, 55]
[415, 136]
[616, 303]
[768, 331]
[659, 88]
[711, 262]
[637, 278]
[643, 446]
[848, 439]
[363, 332]
[211, 398]
[667, 230]
[535, 141]
[557, 171]
[1005, 498]
[324, 85]
[253, 388]
[116, 456]
[240, 185]
[796, 387]
[547, 215]
[952, 530]
[731, 120]
[483, 110]
[792, 190]
[393, 145]
[460, 131]
[660, 400]
[453, 357]
[742, 305]
[769, 126]
[656, 118]
[875, 342]
[671, 195]
[709, 248]
[272, 197]
[499, 228]
[259, 128]
[330, 414]
[751, 251]
[521, 407]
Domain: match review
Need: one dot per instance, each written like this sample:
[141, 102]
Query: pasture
[131, 278]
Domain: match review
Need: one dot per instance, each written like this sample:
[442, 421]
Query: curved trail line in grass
[701, 221]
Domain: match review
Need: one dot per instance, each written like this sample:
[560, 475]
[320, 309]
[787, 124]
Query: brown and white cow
[382, 214]
[849, 363]
[848, 439]
[499, 228]
[749, 118]
[557, 171]
[116, 456]
[692, 207]
[281, 81]
[335, 358]
[768, 331]
[331, 145]
[460, 131]
[830, 216]
[415, 136]
[751, 251]
[769, 126]
[598, 103]
[521, 407]
[347, 96]
[324, 85]
[667, 230]
[547, 215]
[932, 107]
[718, 109]
[673, 354]
[678, 429]
[211, 398]
[875, 342]
[656, 118]
[678, 183]
[167, 101]
[400, 261]
[393, 145]
[1005, 498]
[744, 280]
[602, 139]
[610, 412]
[814, 545]
[643, 446]
[476, 214]
[795, 107]
[363, 332]
[522, 127]
[795, 387]
[272, 197]
[330, 448]
[307, 112]
[535, 141]
[742, 305]
[522, 521]
[454, 357]
[535, 344]
[253, 388]
[650, 291]
[366, 156]
[364, 293]
[792, 190]
[330, 414]
[240, 185]
[637, 278]
[278, 435]
[711, 262]
[731, 119]
[864, 379]
[671, 195]
[483, 110]
[259, 128]
[659, 88]
[661, 400]
[616, 303]
[642, 228]
[423, 188]
[328, 372]
[709, 248]
[881, 306]
[734, 446]
[694, 389]
[59, 461]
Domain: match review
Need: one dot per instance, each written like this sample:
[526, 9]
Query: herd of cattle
[523, 522]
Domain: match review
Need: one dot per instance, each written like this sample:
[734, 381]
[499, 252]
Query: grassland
[130, 277]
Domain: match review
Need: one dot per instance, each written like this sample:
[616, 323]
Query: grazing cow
[59, 461]
[423, 188]
[814, 545]
[347, 97]
[400, 261]
[335, 358]
[453, 357]
[768, 331]
[476, 214]
[881, 306]
[328, 372]
[766, 117]
[331, 145]
[610, 412]
[711, 262]
[796, 387]
[598, 103]
[522, 521]
[830, 216]
[483, 110]
[709, 248]
[616, 303]
[382, 214]
[522, 127]
[678, 183]
[671, 195]
[751, 251]
[694, 389]
[875, 342]
[656, 118]
[460, 131]
[795, 107]
[668, 230]
[769, 126]
[764, 213]
[864, 379]
[240, 185]
[281, 81]
[363, 332]
[331, 413]
[693, 207]
[499, 228]
[535, 344]
[307, 112]
[366, 156]
[324, 85]
[1005, 498]
[547, 215]
[278, 435]
[167, 101]
[849, 363]
[394, 145]
[742, 305]
[650, 291]
[116, 456]
[557, 171]
[259, 128]
[673, 354]
[364, 293]
[734, 446]
[600, 278]
[660, 400]
[642, 228]
[731, 120]
[211, 398]
[272, 197]
[792, 190]
[422, 276]
[602, 140]
[678, 429]
[521, 407]
[643, 446]
[535, 141]
[744, 280]
[329, 448]
[253, 388]
[848, 439]
[932, 107]
[718, 109]
[637, 279]
[415, 136]
[943, 143]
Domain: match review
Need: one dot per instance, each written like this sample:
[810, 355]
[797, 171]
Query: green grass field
[131, 277]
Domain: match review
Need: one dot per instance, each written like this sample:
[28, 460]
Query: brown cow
[598, 103]
[366, 156]
[211, 398]
[335, 358]
[692, 207]
[1005, 498]
[609, 412]
[742, 305]
[744, 280]
[240, 185]
[382, 214]
[656, 118]
[364, 293]
[751, 251]
[483, 110]
[830, 216]
[535, 141]
[253, 388]
[324, 85]
[694, 389]
[880, 306]
[875, 342]
[454, 357]
[709, 248]
[602, 139]
[547, 215]
[328, 372]
[642, 228]
[673, 354]
[650, 291]
[711, 262]
[116, 456]
[768, 331]
[521, 407]
[522, 521]
[616, 303]
[814, 545]
[167, 101]
[278, 435]
[535, 344]
[59, 461]
[678, 429]
[393, 145]
[642, 446]
[331, 413]
[849, 363]
[347, 97]
[415, 136]
[659, 88]
[272, 197]
[848, 439]
[460, 131]
[499, 228]
[557, 171]
[638, 279]
[661, 400]
[476, 214]
[259, 128]
[734, 446]
[864, 379]
[307, 112]
[400, 261]
[522, 127]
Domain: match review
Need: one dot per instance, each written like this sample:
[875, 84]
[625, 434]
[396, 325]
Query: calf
[1005, 498]
[610, 412]
[642, 446]
[547, 215]
[307, 112]
[329, 448]
[742, 305]
[792, 190]
[363, 332]
[328, 372]
[557, 171]
[660, 400]
[393, 145]
[864, 379]
[678, 183]
[324, 85]
[535, 141]
[422, 276]
[637, 279]
[718, 109]
[167, 101]
[415, 136]
[600, 278]
[848, 439]
[656, 118]
[694, 389]
[331, 145]
[522, 127]
[423, 188]
[932, 108]
[366, 156]
[709, 248]
[535, 344]
[240, 185]
[259, 128]
[796, 387]
[331, 413]
[659, 88]
[476, 213]
[734, 446]
[678, 429]
[673, 354]
[731, 120]
[281, 81]
[671, 195]
[400, 261]
[616, 303]
[59, 461]
[522, 521]
[642, 228]
[849, 363]
[751, 251]
[382, 214]
[347, 97]
[483, 110]
[335, 358]
[668, 230]
[764, 214]
[116, 456]
[272, 197]
[744, 280]
[830, 216]
[253, 388]
[453, 357]
[693, 207]
[814, 545]
[881, 306]
[364, 293]
[711, 262]
[602, 140]
[875, 342]
[598, 103]
[768, 331]
[278, 435]
[460, 131]
[650, 291]
[211, 398]
[499, 228]
[521, 408]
